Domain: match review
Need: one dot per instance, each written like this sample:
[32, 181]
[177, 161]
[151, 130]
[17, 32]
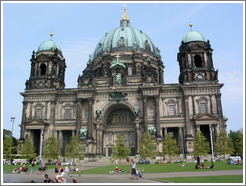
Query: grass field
[155, 168]
[206, 179]
[148, 168]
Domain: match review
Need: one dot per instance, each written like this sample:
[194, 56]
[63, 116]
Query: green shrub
[218, 160]
[156, 162]
[181, 162]
[205, 160]
[168, 161]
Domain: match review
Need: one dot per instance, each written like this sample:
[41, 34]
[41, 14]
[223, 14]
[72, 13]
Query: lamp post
[181, 114]
[41, 138]
[13, 120]
[211, 138]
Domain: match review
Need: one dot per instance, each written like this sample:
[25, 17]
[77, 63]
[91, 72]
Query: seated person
[197, 166]
[183, 165]
[232, 162]
[66, 169]
[212, 166]
[117, 169]
[76, 169]
[202, 165]
[47, 179]
[15, 170]
[229, 161]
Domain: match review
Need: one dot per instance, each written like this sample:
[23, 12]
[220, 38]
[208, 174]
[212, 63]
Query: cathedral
[122, 90]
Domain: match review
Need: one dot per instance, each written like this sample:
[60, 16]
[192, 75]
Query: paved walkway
[113, 178]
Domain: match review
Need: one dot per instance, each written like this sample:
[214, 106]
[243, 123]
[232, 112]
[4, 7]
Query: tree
[28, 149]
[200, 144]
[74, 149]
[120, 149]
[169, 146]
[6, 133]
[237, 140]
[147, 148]
[223, 145]
[51, 150]
[6, 146]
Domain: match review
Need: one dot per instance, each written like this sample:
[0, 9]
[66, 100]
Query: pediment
[35, 122]
[205, 116]
[42, 56]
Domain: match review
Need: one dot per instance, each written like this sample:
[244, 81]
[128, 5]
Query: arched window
[43, 69]
[198, 61]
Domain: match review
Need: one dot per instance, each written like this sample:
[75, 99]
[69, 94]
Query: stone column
[193, 106]
[138, 137]
[180, 139]
[23, 120]
[52, 117]
[145, 98]
[90, 118]
[197, 127]
[219, 109]
[165, 132]
[30, 116]
[211, 105]
[78, 116]
[99, 140]
[157, 116]
[187, 117]
[61, 141]
[73, 132]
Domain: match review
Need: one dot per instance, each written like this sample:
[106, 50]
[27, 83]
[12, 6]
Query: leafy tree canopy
[223, 145]
[237, 139]
[51, 150]
[169, 146]
[147, 148]
[28, 149]
[120, 149]
[200, 144]
[74, 149]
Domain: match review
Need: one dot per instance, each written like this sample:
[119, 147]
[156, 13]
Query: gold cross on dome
[117, 57]
[124, 5]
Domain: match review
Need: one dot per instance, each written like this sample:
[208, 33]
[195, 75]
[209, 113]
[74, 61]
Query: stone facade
[122, 90]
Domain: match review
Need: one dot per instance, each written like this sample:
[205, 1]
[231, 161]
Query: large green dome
[49, 45]
[125, 38]
[193, 35]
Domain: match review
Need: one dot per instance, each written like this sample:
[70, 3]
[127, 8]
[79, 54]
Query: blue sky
[77, 27]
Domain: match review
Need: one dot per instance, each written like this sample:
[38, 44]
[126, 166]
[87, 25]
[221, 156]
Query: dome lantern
[49, 45]
[192, 35]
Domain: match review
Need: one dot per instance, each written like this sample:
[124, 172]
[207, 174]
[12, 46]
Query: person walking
[40, 168]
[198, 160]
[43, 167]
[32, 167]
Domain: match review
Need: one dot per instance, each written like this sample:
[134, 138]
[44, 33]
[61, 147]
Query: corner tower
[47, 66]
[195, 59]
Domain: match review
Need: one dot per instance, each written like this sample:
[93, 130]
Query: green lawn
[148, 168]
[7, 168]
[206, 179]
[153, 168]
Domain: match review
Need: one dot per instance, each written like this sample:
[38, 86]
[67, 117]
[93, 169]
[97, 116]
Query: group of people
[134, 171]
[201, 166]
[22, 168]
[231, 162]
